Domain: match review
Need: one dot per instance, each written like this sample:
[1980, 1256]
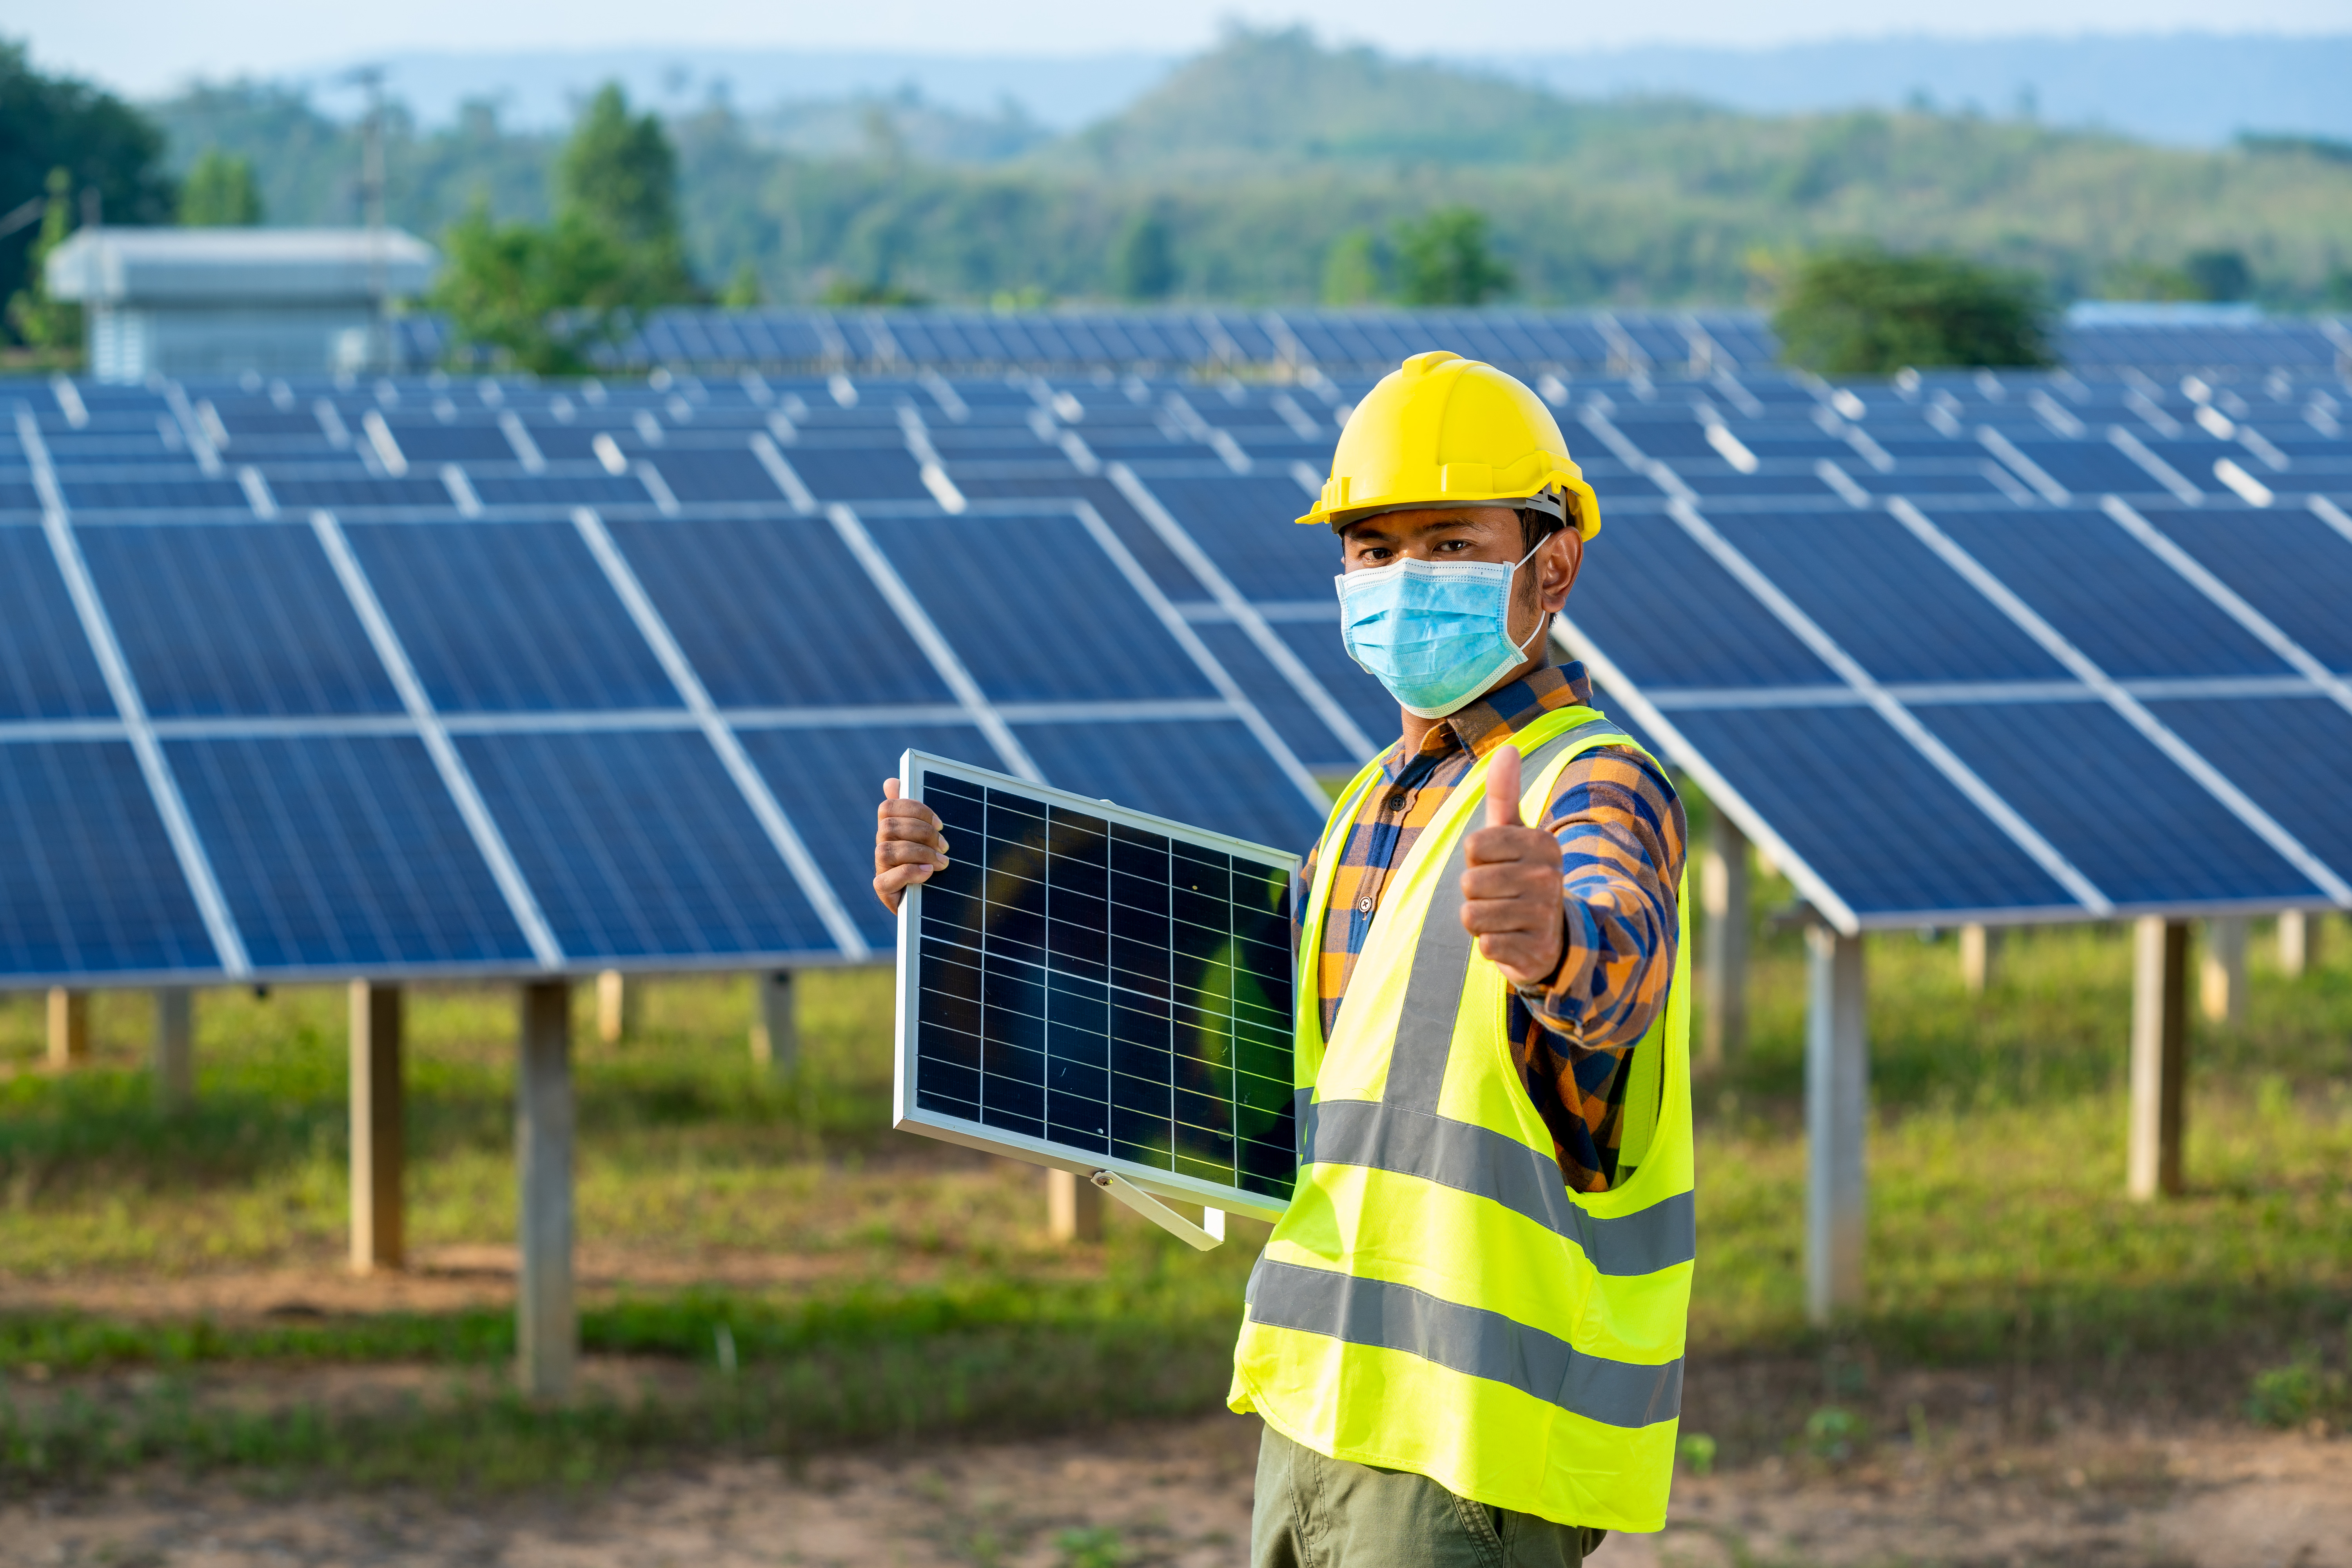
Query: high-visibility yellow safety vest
[1435, 1298]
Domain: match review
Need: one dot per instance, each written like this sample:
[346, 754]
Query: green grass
[910, 1290]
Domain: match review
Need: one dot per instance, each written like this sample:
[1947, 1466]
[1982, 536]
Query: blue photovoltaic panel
[1210, 770]
[1715, 482]
[46, 670]
[1142, 540]
[1248, 524]
[1887, 832]
[87, 881]
[509, 617]
[242, 618]
[1368, 702]
[2129, 613]
[2292, 754]
[858, 473]
[2289, 565]
[679, 867]
[1886, 598]
[831, 779]
[2143, 831]
[343, 853]
[777, 612]
[128, 493]
[561, 489]
[1271, 693]
[1661, 607]
[1037, 611]
[2090, 467]
[454, 444]
[356, 491]
[1108, 988]
[696, 476]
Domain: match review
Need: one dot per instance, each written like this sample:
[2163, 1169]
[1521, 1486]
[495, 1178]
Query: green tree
[103, 144]
[1446, 259]
[1862, 310]
[1351, 269]
[38, 320]
[220, 192]
[619, 174]
[744, 292]
[2220, 275]
[854, 291]
[541, 299]
[1143, 261]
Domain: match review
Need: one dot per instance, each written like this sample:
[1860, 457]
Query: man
[1465, 1334]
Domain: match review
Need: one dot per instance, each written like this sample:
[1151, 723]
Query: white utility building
[196, 301]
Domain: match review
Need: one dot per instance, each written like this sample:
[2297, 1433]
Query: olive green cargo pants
[1314, 1512]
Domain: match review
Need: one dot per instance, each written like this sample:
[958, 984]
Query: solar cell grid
[2129, 614]
[1885, 599]
[343, 853]
[1037, 610]
[244, 619]
[639, 846]
[89, 885]
[2141, 829]
[509, 617]
[1095, 987]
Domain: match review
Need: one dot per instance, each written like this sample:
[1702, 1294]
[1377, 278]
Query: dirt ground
[1177, 1496]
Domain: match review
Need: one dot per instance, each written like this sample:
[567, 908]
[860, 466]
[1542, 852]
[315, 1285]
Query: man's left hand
[1510, 892]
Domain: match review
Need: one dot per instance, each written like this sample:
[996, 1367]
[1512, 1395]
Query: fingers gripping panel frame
[1092, 988]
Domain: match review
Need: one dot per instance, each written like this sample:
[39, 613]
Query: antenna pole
[371, 78]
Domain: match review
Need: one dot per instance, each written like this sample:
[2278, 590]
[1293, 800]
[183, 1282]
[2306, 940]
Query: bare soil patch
[1177, 1496]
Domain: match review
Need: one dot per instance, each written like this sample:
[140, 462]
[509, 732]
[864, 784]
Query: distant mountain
[904, 124]
[2179, 89]
[1264, 160]
[539, 90]
[2184, 89]
[1265, 98]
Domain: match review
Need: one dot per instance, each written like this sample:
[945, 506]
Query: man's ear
[1559, 561]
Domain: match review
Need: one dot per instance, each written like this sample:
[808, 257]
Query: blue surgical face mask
[1435, 633]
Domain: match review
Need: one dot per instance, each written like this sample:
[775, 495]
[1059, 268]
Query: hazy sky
[147, 46]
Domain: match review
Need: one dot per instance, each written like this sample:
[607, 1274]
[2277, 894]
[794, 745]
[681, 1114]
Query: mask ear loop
[1521, 648]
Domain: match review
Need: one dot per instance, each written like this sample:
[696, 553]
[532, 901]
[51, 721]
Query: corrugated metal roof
[193, 267]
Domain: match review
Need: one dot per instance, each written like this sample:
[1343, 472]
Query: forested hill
[1258, 166]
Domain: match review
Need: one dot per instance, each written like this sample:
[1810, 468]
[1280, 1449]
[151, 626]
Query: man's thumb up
[1510, 889]
[1503, 787]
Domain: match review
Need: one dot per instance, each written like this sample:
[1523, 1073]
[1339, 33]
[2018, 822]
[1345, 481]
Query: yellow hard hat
[1441, 430]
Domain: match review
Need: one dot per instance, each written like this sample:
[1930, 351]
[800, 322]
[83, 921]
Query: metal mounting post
[547, 1320]
[1203, 1236]
[775, 1023]
[1980, 957]
[1837, 1119]
[378, 1130]
[174, 1049]
[2159, 1056]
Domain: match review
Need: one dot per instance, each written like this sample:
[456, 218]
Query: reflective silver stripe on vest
[1441, 959]
[1488, 1165]
[1467, 1339]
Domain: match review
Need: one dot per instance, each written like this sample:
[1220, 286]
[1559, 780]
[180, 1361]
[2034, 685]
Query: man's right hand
[907, 845]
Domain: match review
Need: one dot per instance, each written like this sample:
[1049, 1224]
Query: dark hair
[1535, 526]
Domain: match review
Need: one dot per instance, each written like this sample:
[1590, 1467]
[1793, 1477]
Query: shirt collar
[1500, 714]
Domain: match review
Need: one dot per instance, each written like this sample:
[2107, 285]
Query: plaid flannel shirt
[1621, 837]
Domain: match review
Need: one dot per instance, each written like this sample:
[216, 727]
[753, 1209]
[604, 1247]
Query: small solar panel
[1094, 988]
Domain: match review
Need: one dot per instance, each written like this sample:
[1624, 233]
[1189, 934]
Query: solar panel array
[1101, 986]
[1336, 342]
[1976, 646]
[425, 676]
